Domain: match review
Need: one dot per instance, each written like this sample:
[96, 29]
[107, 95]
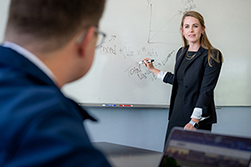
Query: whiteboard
[151, 28]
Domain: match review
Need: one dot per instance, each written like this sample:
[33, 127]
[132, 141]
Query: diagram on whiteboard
[165, 31]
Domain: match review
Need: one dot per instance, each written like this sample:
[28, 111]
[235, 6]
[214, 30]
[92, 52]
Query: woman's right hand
[147, 64]
[151, 67]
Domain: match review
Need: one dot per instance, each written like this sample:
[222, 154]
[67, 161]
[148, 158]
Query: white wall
[4, 4]
[145, 128]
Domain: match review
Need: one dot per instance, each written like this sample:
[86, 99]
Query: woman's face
[192, 30]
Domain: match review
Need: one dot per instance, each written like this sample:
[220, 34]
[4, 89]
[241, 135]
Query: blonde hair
[204, 41]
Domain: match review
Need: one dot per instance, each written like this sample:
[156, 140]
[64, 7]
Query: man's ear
[86, 41]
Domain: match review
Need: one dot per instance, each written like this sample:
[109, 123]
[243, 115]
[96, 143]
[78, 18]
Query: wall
[3, 19]
[145, 128]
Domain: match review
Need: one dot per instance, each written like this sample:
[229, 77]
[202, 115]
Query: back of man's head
[53, 22]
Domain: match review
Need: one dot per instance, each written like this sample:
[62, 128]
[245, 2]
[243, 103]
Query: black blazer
[199, 82]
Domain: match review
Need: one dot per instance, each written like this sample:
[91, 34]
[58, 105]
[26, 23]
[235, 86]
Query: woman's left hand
[189, 126]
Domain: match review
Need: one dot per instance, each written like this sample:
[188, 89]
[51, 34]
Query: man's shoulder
[27, 101]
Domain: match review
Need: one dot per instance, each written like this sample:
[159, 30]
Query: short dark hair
[53, 19]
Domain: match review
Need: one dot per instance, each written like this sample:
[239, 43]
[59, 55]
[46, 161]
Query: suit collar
[13, 59]
[31, 57]
[82, 111]
[199, 52]
[183, 53]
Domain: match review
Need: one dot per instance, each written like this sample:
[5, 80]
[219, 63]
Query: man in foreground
[48, 43]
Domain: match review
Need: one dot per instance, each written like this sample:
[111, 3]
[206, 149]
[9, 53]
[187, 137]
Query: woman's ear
[203, 30]
[181, 29]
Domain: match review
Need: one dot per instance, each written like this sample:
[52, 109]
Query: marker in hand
[149, 61]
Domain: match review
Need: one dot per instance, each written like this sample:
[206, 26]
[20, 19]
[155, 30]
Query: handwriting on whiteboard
[140, 72]
[110, 47]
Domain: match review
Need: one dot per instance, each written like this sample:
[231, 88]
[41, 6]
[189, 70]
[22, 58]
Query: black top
[181, 70]
[177, 118]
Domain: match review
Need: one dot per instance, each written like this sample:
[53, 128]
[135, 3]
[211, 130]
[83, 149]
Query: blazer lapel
[199, 52]
[179, 59]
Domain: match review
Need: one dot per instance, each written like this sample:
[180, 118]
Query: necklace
[190, 57]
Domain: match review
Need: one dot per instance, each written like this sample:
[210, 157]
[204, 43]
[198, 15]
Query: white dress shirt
[34, 59]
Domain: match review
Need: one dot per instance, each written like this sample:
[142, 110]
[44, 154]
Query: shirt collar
[30, 57]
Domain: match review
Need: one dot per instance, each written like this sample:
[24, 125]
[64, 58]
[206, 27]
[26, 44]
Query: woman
[195, 76]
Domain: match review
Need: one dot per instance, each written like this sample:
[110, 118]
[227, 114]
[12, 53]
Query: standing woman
[195, 76]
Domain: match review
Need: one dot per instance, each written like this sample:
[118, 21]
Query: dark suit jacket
[39, 126]
[199, 82]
